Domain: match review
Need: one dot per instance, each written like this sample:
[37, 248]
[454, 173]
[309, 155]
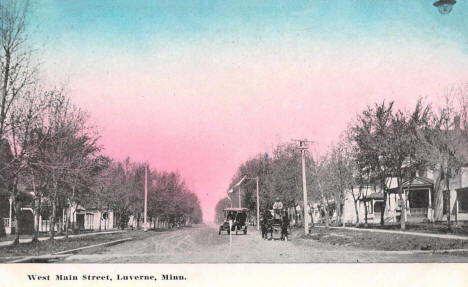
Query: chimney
[456, 122]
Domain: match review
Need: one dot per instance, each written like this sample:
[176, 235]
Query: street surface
[202, 244]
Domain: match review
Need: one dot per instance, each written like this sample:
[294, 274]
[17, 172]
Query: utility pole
[258, 208]
[303, 147]
[145, 228]
[238, 184]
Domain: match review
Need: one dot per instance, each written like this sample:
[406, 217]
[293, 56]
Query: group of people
[278, 216]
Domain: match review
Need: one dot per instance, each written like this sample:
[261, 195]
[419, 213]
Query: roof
[236, 209]
[374, 196]
[414, 183]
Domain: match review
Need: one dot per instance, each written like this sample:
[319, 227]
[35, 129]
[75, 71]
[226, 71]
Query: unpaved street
[202, 244]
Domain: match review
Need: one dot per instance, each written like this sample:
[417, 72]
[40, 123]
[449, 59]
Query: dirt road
[202, 244]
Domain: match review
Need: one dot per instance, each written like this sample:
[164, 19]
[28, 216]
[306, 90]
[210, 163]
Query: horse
[284, 227]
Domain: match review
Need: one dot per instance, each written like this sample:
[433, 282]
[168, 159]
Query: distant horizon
[200, 87]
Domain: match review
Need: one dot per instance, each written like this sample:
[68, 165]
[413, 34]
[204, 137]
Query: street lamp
[444, 6]
[258, 198]
[258, 202]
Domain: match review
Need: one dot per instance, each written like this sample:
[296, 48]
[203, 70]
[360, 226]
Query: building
[80, 218]
[418, 196]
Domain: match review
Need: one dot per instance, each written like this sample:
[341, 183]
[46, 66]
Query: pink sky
[206, 108]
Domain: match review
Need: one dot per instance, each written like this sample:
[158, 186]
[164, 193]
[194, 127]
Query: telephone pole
[145, 227]
[258, 208]
[303, 146]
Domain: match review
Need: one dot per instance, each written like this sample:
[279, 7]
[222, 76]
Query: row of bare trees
[383, 142]
[170, 201]
[49, 149]
[279, 175]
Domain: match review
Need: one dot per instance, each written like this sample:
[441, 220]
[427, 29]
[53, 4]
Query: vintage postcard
[196, 142]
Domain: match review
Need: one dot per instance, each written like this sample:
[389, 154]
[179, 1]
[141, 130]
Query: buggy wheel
[229, 232]
[245, 231]
[236, 230]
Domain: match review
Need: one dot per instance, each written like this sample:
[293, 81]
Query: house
[368, 197]
[418, 195]
[7, 212]
[91, 219]
[80, 219]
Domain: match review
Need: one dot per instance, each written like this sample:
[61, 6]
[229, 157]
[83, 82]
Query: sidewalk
[28, 240]
[435, 235]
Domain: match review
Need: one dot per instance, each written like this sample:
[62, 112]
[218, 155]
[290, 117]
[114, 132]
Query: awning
[80, 208]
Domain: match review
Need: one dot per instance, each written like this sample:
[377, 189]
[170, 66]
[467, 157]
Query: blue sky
[136, 25]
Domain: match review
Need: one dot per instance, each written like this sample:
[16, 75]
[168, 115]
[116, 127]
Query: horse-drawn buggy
[275, 223]
[235, 220]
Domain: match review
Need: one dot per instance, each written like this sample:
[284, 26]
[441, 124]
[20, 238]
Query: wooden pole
[304, 189]
[258, 208]
[145, 227]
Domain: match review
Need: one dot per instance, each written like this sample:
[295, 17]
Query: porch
[417, 197]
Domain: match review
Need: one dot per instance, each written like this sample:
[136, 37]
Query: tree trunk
[365, 214]
[311, 210]
[438, 202]
[337, 211]
[67, 218]
[356, 209]
[18, 221]
[70, 203]
[54, 210]
[382, 213]
[100, 221]
[73, 222]
[2, 229]
[52, 221]
[403, 205]
[356, 205]
[69, 215]
[38, 219]
[60, 221]
[342, 204]
[449, 206]
[6, 78]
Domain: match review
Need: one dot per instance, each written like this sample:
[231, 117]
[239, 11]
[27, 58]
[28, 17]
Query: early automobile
[234, 220]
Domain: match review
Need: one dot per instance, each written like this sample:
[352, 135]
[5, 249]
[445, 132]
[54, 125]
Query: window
[418, 198]
[446, 201]
[90, 220]
[369, 207]
[462, 196]
[378, 206]
[422, 172]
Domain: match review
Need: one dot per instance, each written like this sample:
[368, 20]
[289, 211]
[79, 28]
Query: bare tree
[17, 73]
[445, 148]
